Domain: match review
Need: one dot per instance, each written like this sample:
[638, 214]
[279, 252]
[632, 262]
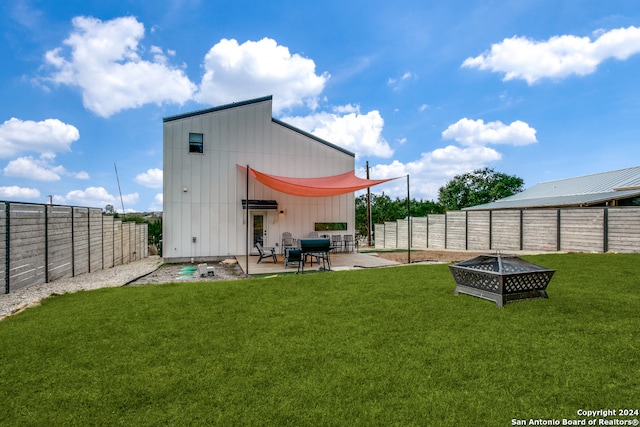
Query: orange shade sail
[315, 187]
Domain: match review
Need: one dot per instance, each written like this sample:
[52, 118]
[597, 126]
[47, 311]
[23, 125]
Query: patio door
[258, 231]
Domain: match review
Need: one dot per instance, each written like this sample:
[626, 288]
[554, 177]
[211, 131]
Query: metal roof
[218, 108]
[582, 190]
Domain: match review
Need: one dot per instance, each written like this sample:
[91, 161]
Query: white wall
[211, 208]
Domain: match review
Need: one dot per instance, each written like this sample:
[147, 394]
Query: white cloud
[156, 206]
[41, 169]
[558, 57]
[397, 84]
[80, 175]
[14, 192]
[46, 136]
[359, 133]
[104, 62]
[434, 168]
[235, 72]
[474, 132]
[152, 178]
[98, 197]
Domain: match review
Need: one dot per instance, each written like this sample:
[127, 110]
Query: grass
[372, 347]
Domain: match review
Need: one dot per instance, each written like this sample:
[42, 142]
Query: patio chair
[336, 243]
[348, 242]
[313, 235]
[293, 256]
[287, 241]
[266, 254]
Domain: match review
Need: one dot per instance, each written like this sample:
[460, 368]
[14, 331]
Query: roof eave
[309, 135]
[218, 108]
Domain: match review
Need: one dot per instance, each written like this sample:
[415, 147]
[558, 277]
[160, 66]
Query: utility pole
[408, 223]
[119, 190]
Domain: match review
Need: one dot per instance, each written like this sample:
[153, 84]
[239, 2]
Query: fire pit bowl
[501, 278]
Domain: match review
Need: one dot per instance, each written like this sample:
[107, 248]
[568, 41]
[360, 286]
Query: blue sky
[539, 89]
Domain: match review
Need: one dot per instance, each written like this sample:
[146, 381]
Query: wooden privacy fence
[604, 229]
[41, 243]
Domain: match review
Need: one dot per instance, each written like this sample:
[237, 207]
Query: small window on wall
[195, 143]
[330, 226]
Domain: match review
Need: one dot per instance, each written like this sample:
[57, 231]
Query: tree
[478, 187]
[384, 209]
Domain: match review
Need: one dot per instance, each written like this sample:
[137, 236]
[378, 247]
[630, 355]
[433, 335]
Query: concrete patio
[339, 261]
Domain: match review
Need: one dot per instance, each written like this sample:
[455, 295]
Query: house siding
[211, 209]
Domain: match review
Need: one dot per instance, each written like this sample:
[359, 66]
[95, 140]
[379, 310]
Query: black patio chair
[293, 256]
[265, 254]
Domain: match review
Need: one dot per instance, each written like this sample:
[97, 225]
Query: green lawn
[377, 347]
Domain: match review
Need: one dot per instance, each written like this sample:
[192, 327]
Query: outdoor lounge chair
[266, 254]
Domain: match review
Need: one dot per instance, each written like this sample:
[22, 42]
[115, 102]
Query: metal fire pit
[501, 278]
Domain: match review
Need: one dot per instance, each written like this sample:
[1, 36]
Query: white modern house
[295, 182]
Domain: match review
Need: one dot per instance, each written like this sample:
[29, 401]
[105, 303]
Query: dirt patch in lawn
[171, 273]
[429, 256]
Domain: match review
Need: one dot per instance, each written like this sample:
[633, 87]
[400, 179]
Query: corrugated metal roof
[583, 190]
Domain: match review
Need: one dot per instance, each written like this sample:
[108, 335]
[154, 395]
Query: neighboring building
[205, 186]
[615, 188]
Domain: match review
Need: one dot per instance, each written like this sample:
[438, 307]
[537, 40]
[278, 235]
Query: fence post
[521, 229]
[558, 232]
[46, 243]
[490, 230]
[7, 243]
[102, 237]
[88, 240]
[395, 244]
[427, 232]
[445, 230]
[605, 231]
[73, 242]
[466, 230]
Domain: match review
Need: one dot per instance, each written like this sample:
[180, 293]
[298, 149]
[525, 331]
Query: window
[195, 143]
[330, 226]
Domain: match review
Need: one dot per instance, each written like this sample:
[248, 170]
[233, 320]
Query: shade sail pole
[408, 223]
[246, 265]
[368, 210]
